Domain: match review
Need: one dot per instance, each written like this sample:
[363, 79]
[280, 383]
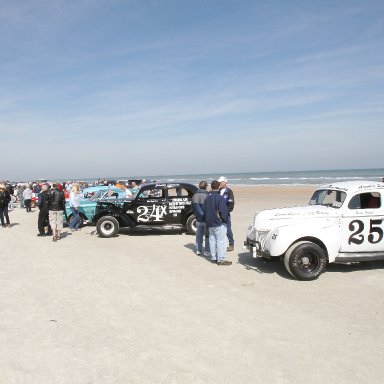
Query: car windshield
[97, 195]
[328, 197]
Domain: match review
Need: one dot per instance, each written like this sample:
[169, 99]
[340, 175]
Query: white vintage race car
[342, 223]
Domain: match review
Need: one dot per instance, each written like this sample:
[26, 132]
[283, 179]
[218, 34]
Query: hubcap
[107, 227]
[308, 262]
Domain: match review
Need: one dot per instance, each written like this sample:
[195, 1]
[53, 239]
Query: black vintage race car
[160, 205]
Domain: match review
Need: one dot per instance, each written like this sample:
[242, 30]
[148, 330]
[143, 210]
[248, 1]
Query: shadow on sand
[261, 265]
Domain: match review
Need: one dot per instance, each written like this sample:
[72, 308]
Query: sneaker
[54, 238]
[214, 261]
[198, 253]
[207, 254]
[230, 248]
[224, 262]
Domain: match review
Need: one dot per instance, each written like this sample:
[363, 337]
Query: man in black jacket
[43, 221]
[56, 206]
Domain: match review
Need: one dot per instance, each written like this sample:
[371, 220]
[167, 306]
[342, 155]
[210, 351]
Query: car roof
[167, 184]
[355, 186]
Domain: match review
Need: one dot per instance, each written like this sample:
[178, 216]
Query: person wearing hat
[229, 198]
[216, 218]
[56, 206]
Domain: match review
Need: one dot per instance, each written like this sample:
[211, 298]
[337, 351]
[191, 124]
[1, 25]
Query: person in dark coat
[43, 220]
[216, 217]
[5, 198]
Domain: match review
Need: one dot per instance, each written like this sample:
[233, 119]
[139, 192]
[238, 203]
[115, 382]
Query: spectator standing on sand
[216, 217]
[56, 206]
[43, 220]
[4, 201]
[27, 196]
[11, 191]
[229, 198]
[74, 202]
[20, 191]
[201, 226]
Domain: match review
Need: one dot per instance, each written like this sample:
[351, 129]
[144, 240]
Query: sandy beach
[143, 308]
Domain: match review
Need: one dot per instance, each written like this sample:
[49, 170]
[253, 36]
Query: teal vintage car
[87, 207]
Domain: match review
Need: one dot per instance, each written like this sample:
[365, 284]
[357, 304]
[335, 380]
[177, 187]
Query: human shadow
[262, 266]
[13, 225]
[65, 234]
[192, 247]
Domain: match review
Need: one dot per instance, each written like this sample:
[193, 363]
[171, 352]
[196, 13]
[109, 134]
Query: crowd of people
[211, 208]
[213, 220]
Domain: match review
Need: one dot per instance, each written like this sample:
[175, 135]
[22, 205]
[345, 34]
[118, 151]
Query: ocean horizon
[267, 178]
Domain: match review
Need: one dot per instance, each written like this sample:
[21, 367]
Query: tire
[191, 225]
[107, 226]
[305, 260]
[69, 218]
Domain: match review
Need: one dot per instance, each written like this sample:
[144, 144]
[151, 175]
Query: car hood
[282, 216]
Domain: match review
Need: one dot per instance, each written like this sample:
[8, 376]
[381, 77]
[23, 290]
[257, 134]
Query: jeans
[201, 233]
[229, 232]
[218, 242]
[4, 214]
[75, 221]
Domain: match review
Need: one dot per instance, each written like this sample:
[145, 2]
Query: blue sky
[93, 88]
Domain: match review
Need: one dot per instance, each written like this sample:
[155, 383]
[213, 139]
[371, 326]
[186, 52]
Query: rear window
[367, 200]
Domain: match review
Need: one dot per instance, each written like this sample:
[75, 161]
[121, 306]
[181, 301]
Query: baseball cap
[222, 178]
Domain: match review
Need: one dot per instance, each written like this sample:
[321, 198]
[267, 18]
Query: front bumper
[254, 247]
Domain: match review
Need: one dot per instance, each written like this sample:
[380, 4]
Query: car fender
[123, 218]
[327, 236]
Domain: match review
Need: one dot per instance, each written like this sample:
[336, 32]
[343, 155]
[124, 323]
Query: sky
[96, 88]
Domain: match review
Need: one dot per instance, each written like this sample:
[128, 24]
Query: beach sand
[143, 308]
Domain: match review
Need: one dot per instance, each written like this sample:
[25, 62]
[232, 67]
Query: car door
[149, 206]
[362, 224]
[179, 199]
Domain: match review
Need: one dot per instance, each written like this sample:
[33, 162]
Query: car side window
[157, 193]
[178, 192]
[366, 200]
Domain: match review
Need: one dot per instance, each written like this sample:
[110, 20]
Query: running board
[363, 256]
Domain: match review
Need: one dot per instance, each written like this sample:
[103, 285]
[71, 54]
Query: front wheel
[305, 260]
[107, 226]
[191, 225]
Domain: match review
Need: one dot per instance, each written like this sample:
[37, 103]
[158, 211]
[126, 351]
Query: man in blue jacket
[216, 217]
[201, 227]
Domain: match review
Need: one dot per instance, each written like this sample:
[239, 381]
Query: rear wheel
[191, 225]
[305, 260]
[107, 226]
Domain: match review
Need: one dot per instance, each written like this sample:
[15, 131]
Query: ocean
[273, 178]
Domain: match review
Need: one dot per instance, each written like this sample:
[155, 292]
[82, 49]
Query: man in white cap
[229, 198]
